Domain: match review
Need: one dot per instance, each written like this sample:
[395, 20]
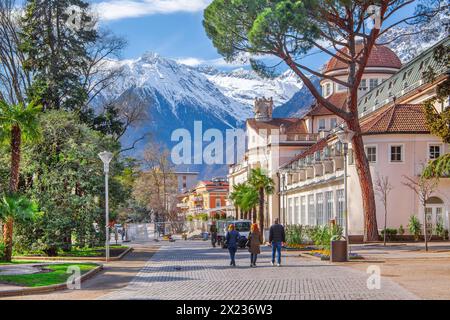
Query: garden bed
[116, 253]
[51, 274]
[325, 255]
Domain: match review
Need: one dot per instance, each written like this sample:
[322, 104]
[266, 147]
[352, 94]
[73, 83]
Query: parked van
[241, 226]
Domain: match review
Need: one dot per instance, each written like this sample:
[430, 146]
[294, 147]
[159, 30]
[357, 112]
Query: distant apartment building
[206, 197]
[398, 144]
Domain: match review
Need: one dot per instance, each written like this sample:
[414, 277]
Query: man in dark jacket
[277, 238]
[213, 231]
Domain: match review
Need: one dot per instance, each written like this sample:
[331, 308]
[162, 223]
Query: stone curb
[119, 257]
[46, 289]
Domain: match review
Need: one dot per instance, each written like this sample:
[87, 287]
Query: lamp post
[106, 158]
[345, 136]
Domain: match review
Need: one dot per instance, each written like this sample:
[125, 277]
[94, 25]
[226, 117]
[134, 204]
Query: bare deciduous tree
[424, 188]
[157, 184]
[383, 187]
[14, 80]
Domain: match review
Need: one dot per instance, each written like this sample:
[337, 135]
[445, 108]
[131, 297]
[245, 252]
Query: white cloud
[121, 9]
[195, 62]
[192, 62]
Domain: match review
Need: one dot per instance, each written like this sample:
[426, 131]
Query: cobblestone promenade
[194, 270]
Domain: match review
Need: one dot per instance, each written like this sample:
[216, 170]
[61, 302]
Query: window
[340, 207]
[371, 153]
[363, 85]
[434, 152]
[333, 123]
[351, 157]
[328, 89]
[289, 214]
[303, 210]
[296, 210]
[317, 156]
[329, 205]
[319, 209]
[439, 216]
[321, 124]
[396, 153]
[373, 83]
[218, 203]
[311, 213]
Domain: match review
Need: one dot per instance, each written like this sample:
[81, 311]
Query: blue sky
[172, 28]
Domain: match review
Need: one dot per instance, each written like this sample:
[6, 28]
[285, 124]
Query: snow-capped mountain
[244, 85]
[177, 85]
[417, 38]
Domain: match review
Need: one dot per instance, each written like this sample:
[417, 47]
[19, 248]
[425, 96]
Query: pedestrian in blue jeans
[277, 238]
[232, 239]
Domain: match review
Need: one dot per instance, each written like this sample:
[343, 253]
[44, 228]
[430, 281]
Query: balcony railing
[295, 137]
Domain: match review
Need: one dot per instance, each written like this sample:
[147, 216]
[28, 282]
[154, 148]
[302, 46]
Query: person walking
[232, 239]
[254, 242]
[277, 238]
[213, 231]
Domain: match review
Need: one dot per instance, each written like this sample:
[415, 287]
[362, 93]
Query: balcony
[294, 138]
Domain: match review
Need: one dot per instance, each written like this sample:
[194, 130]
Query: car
[241, 226]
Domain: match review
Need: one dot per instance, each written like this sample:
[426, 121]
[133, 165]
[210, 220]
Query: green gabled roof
[408, 78]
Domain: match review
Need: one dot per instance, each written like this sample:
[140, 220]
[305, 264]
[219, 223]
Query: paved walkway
[193, 270]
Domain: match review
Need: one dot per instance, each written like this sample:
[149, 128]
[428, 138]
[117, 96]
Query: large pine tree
[55, 39]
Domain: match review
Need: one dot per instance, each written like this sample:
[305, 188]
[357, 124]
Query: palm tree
[249, 201]
[13, 208]
[18, 123]
[236, 197]
[265, 185]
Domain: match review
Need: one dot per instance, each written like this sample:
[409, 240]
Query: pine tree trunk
[261, 210]
[367, 191]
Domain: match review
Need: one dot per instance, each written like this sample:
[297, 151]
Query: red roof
[337, 99]
[292, 125]
[380, 56]
[403, 118]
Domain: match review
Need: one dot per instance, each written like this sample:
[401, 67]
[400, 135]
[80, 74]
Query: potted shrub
[338, 250]
[390, 233]
[415, 227]
[440, 231]
[401, 230]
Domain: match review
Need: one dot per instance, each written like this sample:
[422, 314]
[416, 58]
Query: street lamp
[106, 158]
[345, 136]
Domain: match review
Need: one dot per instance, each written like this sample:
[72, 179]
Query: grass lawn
[18, 262]
[57, 275]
